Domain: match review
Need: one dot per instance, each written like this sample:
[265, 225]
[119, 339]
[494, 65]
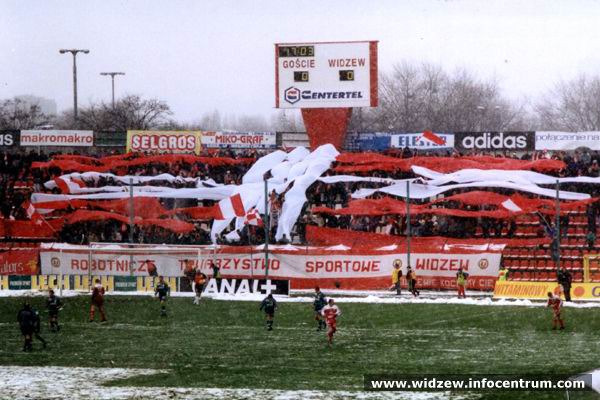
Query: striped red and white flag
[432, 137]
[32, 213]
[253, 218]
[62, 185]
[231, 207]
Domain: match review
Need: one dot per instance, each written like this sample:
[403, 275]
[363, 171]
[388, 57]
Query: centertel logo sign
[501, 141]
[293, 95]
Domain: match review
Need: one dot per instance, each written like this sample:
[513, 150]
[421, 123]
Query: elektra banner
[164, 141]
[567, 140]
[305, 268]
[57, 138]
[418, 141]
[239, 139]
[494, 141]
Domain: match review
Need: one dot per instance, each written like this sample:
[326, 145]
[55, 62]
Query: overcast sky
[205, 55]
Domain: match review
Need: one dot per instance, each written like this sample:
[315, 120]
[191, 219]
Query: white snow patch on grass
[86, 383]
[365, 297]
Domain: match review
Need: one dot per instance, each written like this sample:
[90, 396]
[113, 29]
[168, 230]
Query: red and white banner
[305, 267]
[57, 138]
[19, 262]
[239, 139]
[231, 207]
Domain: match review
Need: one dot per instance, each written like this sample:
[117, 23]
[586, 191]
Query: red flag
[432, 137]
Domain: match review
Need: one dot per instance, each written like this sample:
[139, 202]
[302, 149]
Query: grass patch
[225, 344]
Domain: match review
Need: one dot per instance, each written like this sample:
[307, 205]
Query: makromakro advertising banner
[44, 137]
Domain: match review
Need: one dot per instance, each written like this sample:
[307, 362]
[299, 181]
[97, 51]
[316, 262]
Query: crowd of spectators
[18, 180]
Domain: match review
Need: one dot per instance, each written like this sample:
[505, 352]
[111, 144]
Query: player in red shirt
[331, 312]
[556, 303]
[97, 301]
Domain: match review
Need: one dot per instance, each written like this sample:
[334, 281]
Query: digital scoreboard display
[297, 51]
[326, 75]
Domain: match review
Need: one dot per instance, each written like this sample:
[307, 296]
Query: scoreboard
[326, 75]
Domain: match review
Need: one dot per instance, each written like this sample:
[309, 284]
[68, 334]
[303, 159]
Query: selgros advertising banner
[567, 140]
[57, 138]
[304, 267]
[164, 141]
[494, 141]
[239, 139]
[418, 141]
[9, 138]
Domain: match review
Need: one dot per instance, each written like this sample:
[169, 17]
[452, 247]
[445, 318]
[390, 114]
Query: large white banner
[567, 140]
[239, 139]
[57, 138]
[316, 263]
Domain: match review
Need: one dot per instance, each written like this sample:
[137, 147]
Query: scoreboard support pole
[326, 125]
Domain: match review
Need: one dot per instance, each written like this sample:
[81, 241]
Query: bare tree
[571, 105]
[130, 112]
[15, 114]
[414, 98]
[287, 121]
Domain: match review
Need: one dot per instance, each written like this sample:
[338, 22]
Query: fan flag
[62, 185]
[253, 218]
[432, 137]
[231, 207]
[32, 213]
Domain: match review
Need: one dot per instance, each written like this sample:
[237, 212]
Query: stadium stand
[531, 259]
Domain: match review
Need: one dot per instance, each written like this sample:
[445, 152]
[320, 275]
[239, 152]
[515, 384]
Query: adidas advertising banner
[494, 141]
[9, 138]
[567, 140]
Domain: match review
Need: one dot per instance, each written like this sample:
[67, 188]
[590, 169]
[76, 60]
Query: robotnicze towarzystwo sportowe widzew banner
[305, 267]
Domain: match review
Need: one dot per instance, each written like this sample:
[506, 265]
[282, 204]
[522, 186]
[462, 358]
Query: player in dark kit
[97, 301]
[200, 280]
[54, 305]
[318, 305]
[269, 305]
[29, 323]
[162, 290]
